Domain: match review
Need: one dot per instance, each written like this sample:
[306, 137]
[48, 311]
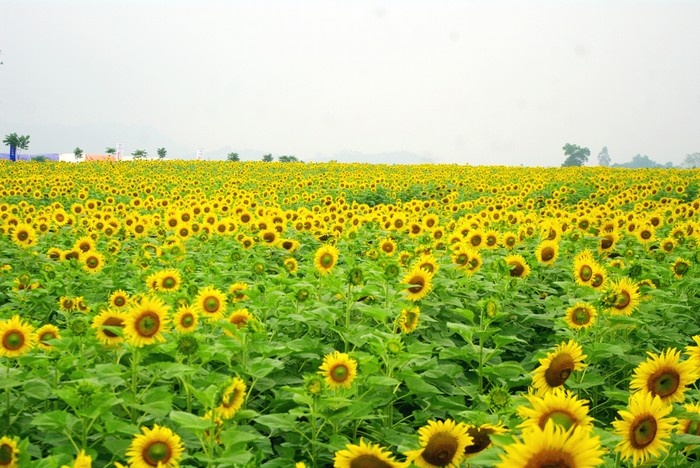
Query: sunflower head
[210, 303]
[364, 455]
[326, 258]
[17, 337]
[419, 283]
[158, 447]
[665, 376]
[556, 368]
[339, 370]
[442, 443]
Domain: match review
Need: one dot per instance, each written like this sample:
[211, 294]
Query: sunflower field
[219, 314]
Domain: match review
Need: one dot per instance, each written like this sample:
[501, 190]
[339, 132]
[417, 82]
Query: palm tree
[111, 150]
[15, 141]
[161, 153]
[139, 153]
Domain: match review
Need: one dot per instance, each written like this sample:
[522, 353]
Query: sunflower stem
[348, 307]
[7, 394]
[134, 380]
[312, 417]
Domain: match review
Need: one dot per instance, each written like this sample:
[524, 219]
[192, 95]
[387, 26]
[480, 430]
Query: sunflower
[291, 265]
[547, 252]
[239, 318]
[365, 454]
[146, 322]
[580, 315]
[235, 291]
[598, 278]
[16, 337]
[680, 267]
[646, 234]
[518, 267]
[66, 303]
[185, 319]
[85, 244]
[23, 235]
[553, 446]
[690, 426]
[92, 261]
[112, 319]
[46, 333]
[562, 407]
[607, 241]
[54, 253]
[339, 370]
[491, 238]
[119, 299]
[509, 240]
[387, 246]
[644, 428]
[475, 238]
[9, 453]
[442, 444]
[408, 319]
[158, 447]
[325, 259]
[627, 298]
[665, 376]
[231, 399]
[210, 303]
[481, 439]
[558, 366]
[419, 284]
[82, 460]
[428, 263]
[169, 280]
[583, 267]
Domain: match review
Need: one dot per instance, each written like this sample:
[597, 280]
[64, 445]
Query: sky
[439, 81]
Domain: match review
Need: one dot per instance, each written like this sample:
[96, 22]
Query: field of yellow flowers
[215, 314]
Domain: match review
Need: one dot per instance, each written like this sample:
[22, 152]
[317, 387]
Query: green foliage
[267, 157]
[286, 158]
[232, 157]
[78, 153]
[575, 155]
[162, 153]
[40, 158]
[639, 162]
[139, 154]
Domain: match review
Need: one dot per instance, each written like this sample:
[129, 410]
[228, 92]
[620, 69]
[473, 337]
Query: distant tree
[576, 155]
[691, 160]
[232, 157]
[640, 162]
[16, 142]
[267, 157]
[162, 152]
[286, 158]
[40, 158]
[604, 157]
[139, 153]
[111, 150]
[78, 153]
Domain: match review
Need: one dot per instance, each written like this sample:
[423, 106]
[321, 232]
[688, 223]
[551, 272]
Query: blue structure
[12, 156]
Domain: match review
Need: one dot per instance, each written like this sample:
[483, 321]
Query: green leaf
[37, 389]
[417, 385]
[190, 421]
[54, 421]
[280, 421]
[382, 381]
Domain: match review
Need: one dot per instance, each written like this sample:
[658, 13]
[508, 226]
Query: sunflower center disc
[643, 432]
[327, 260]
[339, 373]
[693, 428]
[553, 459]
[547, 254]
[559, 370]
[112, 322]
[596, 280]
[476, 240]
[119, 302]
[187, 320]
[23, 236]
[481, 441]
[148, 324]
[46, 337]
[606, 243]
[623, 300]
[664, 383]
[586, 273]
[417, 284]
[5, 455]
[581, 316]
[680, 269]
[92, 262]
[156, 452]
[169, 283]
[517, 270]
[211, 304]
[13, 340]
[441, 449]
[368, 461]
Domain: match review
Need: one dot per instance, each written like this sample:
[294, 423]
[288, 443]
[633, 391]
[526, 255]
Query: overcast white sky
[478, 82]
